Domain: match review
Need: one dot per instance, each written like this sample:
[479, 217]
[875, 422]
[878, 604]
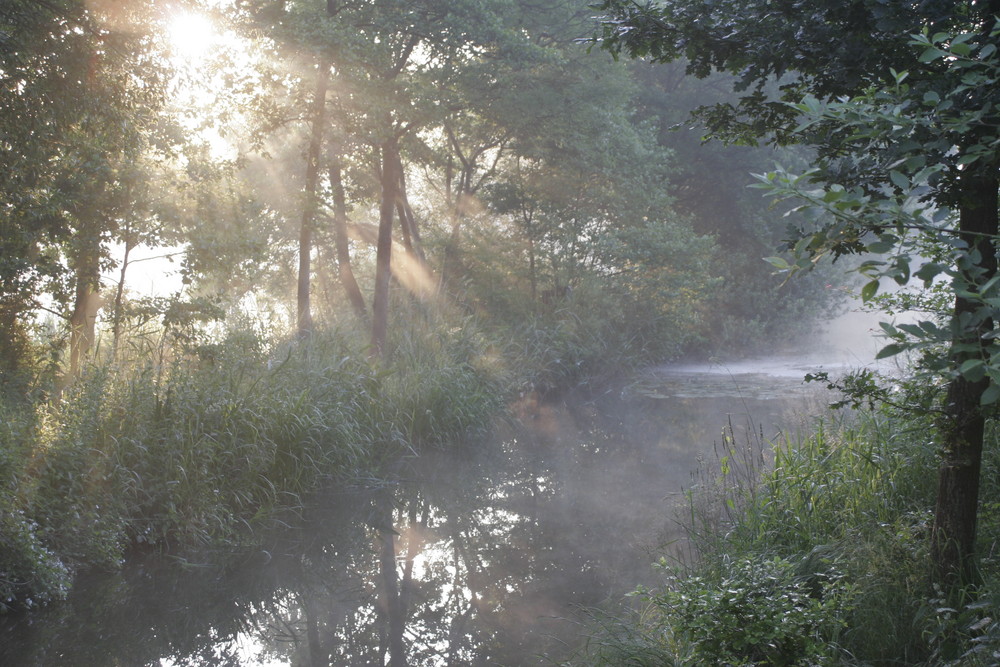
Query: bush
[30, 574]
[762, 612]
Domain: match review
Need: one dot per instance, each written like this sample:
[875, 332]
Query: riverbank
[819, 557]
[200, 446]
[192, 453]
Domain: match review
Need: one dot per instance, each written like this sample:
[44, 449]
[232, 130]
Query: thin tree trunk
[342, 242]
[455, 194]
[404, 227]
[528, 218]
[414, 545]
[304, 321]
[390, 584]
[317, 656]
[116, 329]
[532, 270]
[953, 537]
[86, 304]
[13, 339]
[408, 222]
[383, 251]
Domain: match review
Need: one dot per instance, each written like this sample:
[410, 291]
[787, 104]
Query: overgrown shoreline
[820, 556]
[193, 454]
[204, 447]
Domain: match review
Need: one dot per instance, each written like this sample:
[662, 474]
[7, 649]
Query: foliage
[761, 612]
[933, 177]
[548, 213]
[904, 225]
[853, 501]
[30, 573]
[204, 449]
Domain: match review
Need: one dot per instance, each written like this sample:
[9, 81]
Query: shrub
[815, 552]
[30, 574]
[762, 612]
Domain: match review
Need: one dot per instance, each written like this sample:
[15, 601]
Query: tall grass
[811, 552]
[191, 448]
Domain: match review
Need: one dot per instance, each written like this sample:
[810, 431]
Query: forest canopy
[284, 150]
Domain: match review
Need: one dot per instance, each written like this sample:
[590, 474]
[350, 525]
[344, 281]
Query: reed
[187, 449]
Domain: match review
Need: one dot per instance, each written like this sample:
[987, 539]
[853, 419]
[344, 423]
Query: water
[489, 553]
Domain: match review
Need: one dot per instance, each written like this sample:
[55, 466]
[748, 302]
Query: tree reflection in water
[481, 554]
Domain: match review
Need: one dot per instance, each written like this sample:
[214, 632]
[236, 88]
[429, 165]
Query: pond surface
[487, 554]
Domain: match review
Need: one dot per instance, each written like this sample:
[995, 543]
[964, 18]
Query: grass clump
[759, 611]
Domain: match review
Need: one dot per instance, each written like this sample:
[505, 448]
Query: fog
[503, 547]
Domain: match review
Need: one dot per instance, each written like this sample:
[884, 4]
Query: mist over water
[490, 552]
[848, 342]
[500, 547]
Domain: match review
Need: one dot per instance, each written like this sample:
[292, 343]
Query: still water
[489, 553]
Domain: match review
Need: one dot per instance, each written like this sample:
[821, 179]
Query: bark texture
[953, 538]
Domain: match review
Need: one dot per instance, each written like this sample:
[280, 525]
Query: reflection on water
[483, 554]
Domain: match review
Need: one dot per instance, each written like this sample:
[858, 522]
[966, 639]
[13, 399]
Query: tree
[79, 88]
[937, 167]
[317, 130]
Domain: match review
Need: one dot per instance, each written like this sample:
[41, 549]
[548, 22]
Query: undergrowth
[814, 551]
[195, 447]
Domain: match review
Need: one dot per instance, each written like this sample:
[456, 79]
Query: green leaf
[961, 49]
[899, 180]
[973, 370]
[928, 271]
[889, 329]
[890, 350]
[933, 53]
[881, 246]
[869, 290]
[990, 396]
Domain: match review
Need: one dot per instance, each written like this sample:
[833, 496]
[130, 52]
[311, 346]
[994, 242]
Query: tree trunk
[455, 195]
[13, 337]
[407, 220]
[953, 537]
[390, 583]
[86, 304]
[304, 322]
[317, 656]
[116, 329]
[383, 251]
[342, 242]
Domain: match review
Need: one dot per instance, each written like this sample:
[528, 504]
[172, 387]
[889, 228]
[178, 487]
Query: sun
[213, 66]
[191, 36]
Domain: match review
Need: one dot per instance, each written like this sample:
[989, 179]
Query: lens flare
[191, 36]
